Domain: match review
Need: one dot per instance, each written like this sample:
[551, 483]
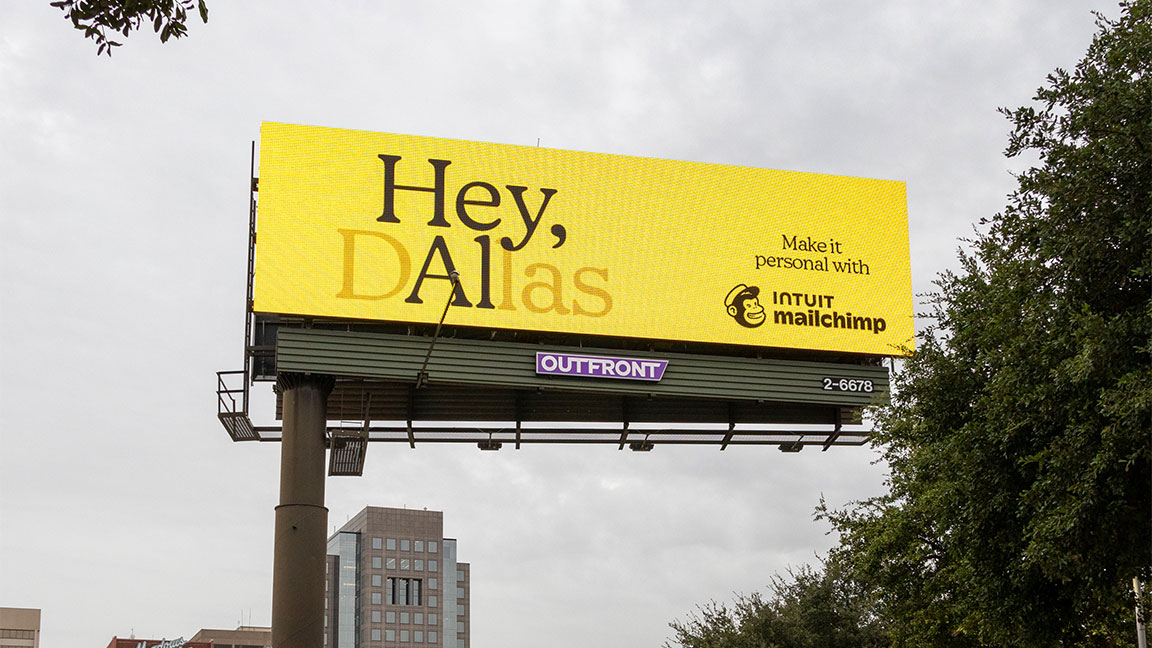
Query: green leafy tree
[809, 609]
[100, 18]
[1020, 435]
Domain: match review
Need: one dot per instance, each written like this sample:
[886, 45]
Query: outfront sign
[589, 366]
[370, 226]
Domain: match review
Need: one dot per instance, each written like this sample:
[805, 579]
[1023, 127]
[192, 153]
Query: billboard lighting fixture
[641, 446]
[791, 446]
[489, 444]
[346, 456]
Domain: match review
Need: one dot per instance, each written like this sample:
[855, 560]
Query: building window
[433, 583]
[376, 580]
[418, 618]
[405, 591]
[391, 563]
[431, 618]
[419, 565]
[404, 617]
[459, 627]
[375, 543]
[417, 545]
[403, 636]
[389, 634]
[459, 575]
[375, 634]
[375, 616]
[432, 565]
[431, 636]
[390, 616]
[377, 562]
[418, 636]
[375, 598]
[405, 545]
[405, 564]
[431, 546]
[432, 601]
[391, 544]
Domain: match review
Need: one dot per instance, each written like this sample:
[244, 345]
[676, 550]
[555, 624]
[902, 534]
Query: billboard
[364, 225]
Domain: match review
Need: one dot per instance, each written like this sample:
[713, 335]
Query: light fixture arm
[422, 376]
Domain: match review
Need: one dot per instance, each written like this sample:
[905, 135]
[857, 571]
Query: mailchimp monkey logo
[743, 304]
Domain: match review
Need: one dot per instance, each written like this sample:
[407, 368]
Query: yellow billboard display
[363, 225]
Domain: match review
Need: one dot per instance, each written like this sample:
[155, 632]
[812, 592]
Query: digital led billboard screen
[364, 225]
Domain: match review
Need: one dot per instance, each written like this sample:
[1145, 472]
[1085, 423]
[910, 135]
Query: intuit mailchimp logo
[743, 304]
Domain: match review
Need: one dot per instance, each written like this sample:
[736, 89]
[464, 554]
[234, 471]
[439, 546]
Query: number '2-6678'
[848, 385]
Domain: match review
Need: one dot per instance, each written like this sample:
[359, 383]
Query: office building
[19, 628]
[394, 580]
[133, 642]
[241, 637]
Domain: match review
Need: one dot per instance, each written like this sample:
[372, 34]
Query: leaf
[96, 18]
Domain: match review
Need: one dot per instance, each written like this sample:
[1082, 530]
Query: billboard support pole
[298, 570]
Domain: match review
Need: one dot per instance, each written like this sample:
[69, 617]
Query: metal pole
[301, 518]
[422, 377]
[1141, 638]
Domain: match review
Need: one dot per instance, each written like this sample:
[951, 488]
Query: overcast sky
[125, 507]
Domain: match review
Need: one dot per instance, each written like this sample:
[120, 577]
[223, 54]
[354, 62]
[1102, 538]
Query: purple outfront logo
[568, 364]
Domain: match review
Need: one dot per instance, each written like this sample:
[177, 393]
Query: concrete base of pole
[301, 518]
[298, 576]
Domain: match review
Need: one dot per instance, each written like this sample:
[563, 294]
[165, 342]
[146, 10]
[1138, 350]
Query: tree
[98, 18]
[809, 609]
[1020, 495]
